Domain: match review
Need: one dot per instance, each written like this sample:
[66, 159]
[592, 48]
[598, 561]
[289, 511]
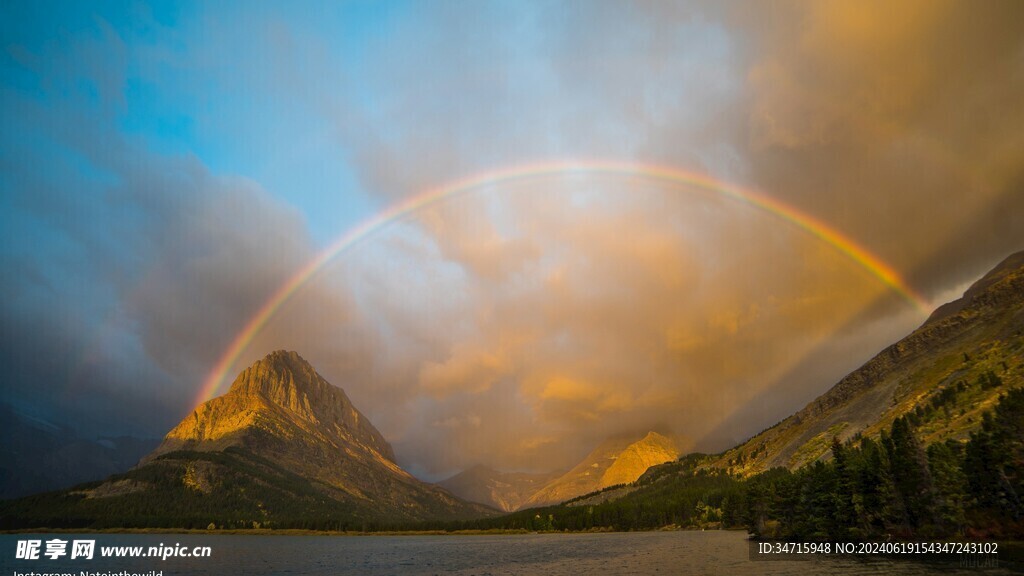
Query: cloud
[870, 112]
[626, 320]
[524, 322]
[135, 267]
[656, 305]
[467, 369]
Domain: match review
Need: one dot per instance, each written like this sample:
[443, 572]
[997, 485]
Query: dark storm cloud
[124, 271]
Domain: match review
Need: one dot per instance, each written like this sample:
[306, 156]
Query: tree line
[896, 487]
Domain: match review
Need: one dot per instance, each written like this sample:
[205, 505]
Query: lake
[659, 553]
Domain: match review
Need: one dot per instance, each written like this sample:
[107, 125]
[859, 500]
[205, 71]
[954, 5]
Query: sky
[165, 168]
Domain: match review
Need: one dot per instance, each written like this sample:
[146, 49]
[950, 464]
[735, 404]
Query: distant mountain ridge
[36, 456]
[617, 460]
[506, 491]
[621, 459]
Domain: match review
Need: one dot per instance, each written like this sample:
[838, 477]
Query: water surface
[658, 553]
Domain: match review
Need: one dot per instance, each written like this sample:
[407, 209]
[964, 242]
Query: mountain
[617, 460]
[945, 374]
[282, 409]
[283, 447]
[942, 378]
[506, 491]
[37, 456]
[928, 441]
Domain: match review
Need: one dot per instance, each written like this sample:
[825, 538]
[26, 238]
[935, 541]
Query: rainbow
[873, 264]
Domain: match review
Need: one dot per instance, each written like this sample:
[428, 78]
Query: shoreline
[300, 532]
[275, 532]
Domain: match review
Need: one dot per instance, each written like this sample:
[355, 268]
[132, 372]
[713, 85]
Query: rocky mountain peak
[617, 460]
[287, 380]
[284, 396]
[282, 447]
[631, 463]
[277, 372]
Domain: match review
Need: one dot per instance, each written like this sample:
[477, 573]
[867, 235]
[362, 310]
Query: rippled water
[550, 554]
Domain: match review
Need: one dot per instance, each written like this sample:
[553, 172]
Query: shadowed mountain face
[950, 371]
[37, 456]
[506, 491]
[616, 461]
[282, 448]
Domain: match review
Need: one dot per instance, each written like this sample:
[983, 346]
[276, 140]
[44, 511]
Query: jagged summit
[282, 410]
[280, 372]
[288, 380]
[282, 395]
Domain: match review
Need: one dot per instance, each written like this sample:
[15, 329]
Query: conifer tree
[911, 475]
[945, 462]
